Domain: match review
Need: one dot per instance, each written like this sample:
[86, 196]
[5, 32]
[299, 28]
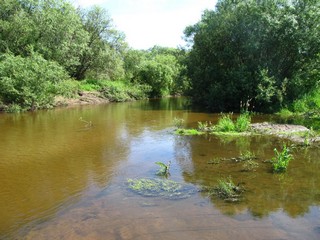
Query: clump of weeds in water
[225, 124]
[243, 122]
[178, 122]
[226, 190]
[281, 160]
[205, 126]
[247, 156]
[164, 168]
[249, 166]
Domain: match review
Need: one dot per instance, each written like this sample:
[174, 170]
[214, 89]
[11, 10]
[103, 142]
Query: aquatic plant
[178, 122]
[281, 160]
[248, 155]
[205, 126]
[160, 188]
[243, 122]
[249, 165]
[87, 123]
[227, 190]
[164, 168]
[225, 124]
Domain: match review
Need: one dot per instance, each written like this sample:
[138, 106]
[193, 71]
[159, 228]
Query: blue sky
[152, 22]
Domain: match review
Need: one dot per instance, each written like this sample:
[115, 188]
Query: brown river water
[62, 178]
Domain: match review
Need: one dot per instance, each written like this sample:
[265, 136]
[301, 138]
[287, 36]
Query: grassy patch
[188, 132]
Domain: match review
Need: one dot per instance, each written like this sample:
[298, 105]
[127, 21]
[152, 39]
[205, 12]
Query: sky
[147, 23]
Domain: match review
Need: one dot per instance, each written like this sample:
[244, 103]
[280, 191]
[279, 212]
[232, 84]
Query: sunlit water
[64, 178]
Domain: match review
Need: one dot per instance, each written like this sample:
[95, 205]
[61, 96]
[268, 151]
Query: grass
[188, 132]
[281, 160]
[225, 124]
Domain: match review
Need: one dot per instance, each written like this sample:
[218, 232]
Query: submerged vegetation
[160, 188]
[226, 190]
[164, 168]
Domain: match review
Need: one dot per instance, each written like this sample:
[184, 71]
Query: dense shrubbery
[28, 83]
[117, 91]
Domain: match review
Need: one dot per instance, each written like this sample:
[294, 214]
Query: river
[64, 175]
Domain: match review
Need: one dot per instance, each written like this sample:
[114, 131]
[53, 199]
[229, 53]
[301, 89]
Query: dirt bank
[83, 98]
[296, 133]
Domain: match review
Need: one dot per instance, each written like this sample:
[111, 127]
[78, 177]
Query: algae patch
[160, 188]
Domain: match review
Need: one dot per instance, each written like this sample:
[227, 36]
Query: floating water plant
[160, 188]
[281, 161]
[247, 156]
[178, 122]
[249, 166]
[226, 190]
[164, 168]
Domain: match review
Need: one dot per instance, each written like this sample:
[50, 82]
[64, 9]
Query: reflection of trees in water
[293, 192]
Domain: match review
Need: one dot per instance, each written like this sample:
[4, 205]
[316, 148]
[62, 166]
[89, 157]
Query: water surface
[62, 178]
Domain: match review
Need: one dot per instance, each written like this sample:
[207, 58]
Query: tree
[103, 55]
[252, 51]
[50, 27]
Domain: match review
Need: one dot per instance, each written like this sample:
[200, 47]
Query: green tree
[253, 51]
[159, 72]
[105, 48]
[52, 28]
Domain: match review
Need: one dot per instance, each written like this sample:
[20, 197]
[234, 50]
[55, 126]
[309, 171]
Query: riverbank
[83, 98]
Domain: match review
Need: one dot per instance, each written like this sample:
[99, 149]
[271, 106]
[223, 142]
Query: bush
[67, 88]
[28, 82]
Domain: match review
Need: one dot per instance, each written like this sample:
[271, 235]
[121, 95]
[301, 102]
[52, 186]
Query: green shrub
[281, 161]
[225, 124]
[243, 123]
[28, 82]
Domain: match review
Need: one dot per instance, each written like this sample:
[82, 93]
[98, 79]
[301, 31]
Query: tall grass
[225, 123]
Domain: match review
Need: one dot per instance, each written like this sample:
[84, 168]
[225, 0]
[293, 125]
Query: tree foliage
[261, 53]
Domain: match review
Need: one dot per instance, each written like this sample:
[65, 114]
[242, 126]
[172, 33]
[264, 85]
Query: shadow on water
[64, 179]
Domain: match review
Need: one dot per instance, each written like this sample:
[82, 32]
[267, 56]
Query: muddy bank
[83, 98]
[296, 133]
